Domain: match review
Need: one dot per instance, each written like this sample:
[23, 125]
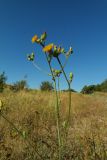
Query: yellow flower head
[48, 48]
[34, 38]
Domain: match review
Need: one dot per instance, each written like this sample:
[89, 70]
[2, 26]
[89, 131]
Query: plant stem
[58, 122]
[69, 88]
[69, 113]
[57, 113]
[63, 70]
[57, 109]
[59, 91]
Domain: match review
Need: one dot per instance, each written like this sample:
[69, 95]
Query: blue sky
[81, 24]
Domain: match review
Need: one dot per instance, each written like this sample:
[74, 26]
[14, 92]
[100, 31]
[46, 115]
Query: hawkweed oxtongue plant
[52, 51]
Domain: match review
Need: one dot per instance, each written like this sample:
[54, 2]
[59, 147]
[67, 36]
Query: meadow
[33, 113]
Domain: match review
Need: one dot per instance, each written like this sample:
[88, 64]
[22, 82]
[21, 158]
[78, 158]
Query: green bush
[3, 79]
[104, 86]
[19, 85]
[92, 88]
[46, 86]
[88, 89]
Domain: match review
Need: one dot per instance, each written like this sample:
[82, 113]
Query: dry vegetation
[33, 113]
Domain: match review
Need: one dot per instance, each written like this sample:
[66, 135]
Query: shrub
[19, 85]
[92, 88]
[103, 86]
[88, 89]
[3, 79]
[46, 86]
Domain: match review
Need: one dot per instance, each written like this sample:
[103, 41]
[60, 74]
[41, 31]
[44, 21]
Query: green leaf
[64, 124]
[24, 134]
[71, 76]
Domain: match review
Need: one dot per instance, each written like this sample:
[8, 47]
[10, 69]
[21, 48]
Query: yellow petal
[34, 38]
[48, 48]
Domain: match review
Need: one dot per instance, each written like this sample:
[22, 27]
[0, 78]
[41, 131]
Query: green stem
[69, 113]
[69, 88]
[59, 89]
[58, 122]
[21, 134]
[57, 112]
[63, 70]
[57, 109]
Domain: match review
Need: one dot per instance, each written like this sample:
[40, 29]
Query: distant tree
[88, 89]
[46, 86]
[98, 87]
[19, 85]
[84, 89]
[3, 79]
[103, 86]
[92, 88]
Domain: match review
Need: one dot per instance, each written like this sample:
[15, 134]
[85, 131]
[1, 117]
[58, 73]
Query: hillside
[102, 87]
[33, 113]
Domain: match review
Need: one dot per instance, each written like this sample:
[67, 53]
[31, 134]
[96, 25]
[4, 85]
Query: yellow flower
[48, 48]
[34, 38]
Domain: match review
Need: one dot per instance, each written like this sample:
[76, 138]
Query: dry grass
[33, 112]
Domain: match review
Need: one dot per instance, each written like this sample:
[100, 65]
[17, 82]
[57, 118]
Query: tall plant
[52, 51]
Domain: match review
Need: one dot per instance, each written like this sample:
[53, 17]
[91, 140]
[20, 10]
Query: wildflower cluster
[51, 49]
[56, 73]
[39, 40]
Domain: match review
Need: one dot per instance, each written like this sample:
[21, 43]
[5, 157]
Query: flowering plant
[53, 51]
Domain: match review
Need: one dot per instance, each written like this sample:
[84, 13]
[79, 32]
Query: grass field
[33, 113]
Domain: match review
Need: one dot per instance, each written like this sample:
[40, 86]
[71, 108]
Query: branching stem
[69, 88]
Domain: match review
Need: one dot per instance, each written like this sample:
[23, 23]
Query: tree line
[48, 86]
[22, 84]
[95, 88]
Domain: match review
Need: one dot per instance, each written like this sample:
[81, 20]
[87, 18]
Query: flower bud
[63, 50]
[57, 73]
[38, 40]
[71, 76]
[56, 51]
[30, 57]
[69, 52]
[43, 36]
